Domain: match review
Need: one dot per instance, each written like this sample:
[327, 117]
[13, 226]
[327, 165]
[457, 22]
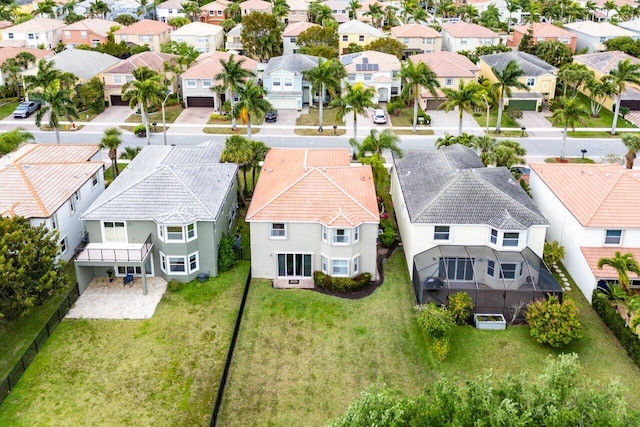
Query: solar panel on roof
[359, 67]
[365, 60]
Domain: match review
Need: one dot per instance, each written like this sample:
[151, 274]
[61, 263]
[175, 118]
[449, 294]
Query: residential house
[593, 214]
[467, 36]
[312, 210]
[197, 81]
[90, 32]
[255, 6]
[468, 228]
[290, 36]
[543, 32]
[358, 33]
[338, 10]
[203, 37]
[122, 7]
[52, 185]
[164, 215]
[84, 64]
[601, 63]
[145, 32]
[283, 81]
[602, 14]
[539, 77]
[378, 70]
[298, 11]
[234, 39]
[11, 52]
[82, 8]
[592, 35]
[450, 69]
[417, 38]
[121, 73]
[36, 32]
[362, 14]
[632, 25]
[214, 12]
[170, 9]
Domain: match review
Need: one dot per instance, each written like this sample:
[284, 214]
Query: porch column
[144, 278]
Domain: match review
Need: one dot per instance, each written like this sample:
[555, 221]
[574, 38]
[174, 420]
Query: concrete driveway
[451, 119]
[634, 117]
[537, 124]
[113, 115]
[283, 126]
[189, 117]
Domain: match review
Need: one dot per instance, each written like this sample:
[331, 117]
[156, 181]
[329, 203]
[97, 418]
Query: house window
[191, 82]
[360, 38]
[367, 77]
[340, 267]
[129, 269]
[219, 13]
[356, 264]
[509, 270]
[531, 82]
[457, 268]
[406, 40]
[491, 268]
[193, 262]
[145, 39]
[340, 236]
[11, 35]
[428, 41]
[95, 179]
[63, 245]
[292, 39]
[76, 195]
[613, 237]
[202, 39]
[448, 82]
[603, 39]
[441, 232]
[463, 42]
[276, 83]
[294, 265]
[212, 12]
[207, 83]
[128, 78]
[72, 205]
[67, 34]
[510, 239]
[117, 79]
[540, 39]
[564, 40]
[394, 91]
[83, 34]
[232, 216]
[345, 38]
[114, 231]
[325, 233]
[288, 83]
[324, 264]
[95, 43]
[191, 232]
[356, 234]
[494, 236]
[174, 233]
[351, 77]
[278, 230]
[163, 262]
[177, 265]
[54, 221]
[123, 37]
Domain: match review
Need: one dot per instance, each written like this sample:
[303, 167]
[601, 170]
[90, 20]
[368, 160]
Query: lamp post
[486, 101]
[164, 122]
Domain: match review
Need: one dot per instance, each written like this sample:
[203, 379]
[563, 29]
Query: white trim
[197, 267]
[126, 232]
[324, 259]
[177, 273]
[347, 260]
[347, 236]
[195, 232]
[284, 229]
[355, 270]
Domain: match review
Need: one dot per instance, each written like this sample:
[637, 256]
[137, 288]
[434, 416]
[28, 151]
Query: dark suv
[271, 116]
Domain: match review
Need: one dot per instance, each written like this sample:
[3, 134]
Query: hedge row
[341, 284]
[616, 324]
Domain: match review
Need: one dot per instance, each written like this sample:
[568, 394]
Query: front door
[294, 265]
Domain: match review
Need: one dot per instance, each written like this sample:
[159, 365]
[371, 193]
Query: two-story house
[356, 32]
[543, 32]
[234, 39]
[539, 77]
[417, 38]
[170, 9]
[90, 32]
[214, 12]
[255, 6]
[632, 25]
[378, 70]
[338, 10]
[203, 37]
[164, 215]
[11, 52]
[284, 83]
[467, 36]
[52, 185]
[145, 32]
[298, 11]
[312, 210]
[592, 35]
[290, 36]
[593, 214]
[36, 32]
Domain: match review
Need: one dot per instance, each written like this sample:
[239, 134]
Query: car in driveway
[271, 116]
[379, 117]
[26, 108]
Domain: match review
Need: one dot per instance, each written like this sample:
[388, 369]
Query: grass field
[481, 119]
[404, 118]
[162, 371]
[7, 109]
[312, 118]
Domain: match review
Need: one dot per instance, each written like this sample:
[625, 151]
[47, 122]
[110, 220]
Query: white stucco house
[378, 70]
[592, 35]
[202, 36]
[467, 36]
[36, 32]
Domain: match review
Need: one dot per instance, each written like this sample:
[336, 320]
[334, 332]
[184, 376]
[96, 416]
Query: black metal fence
[30, 353]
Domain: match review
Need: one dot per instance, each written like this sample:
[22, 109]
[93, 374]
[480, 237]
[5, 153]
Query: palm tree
[626, 72]
[632, 142]
[376, 141]
[237, 149]
[507, 78]
[356, 100]
[111, 141]
[507, 153]
[568, 113]
[353, 7]
[232, 75]
[143, 92]
[376, 12]
[466, 98]
[191, 9]
[464, 139]
[378, 170]
[251, 102]
[46, 74]
[98, 9]
[45, 7]
[57, 102]
[11, 139]
[417, 76]
[280, 8]
[486, 145]
[609, 5]
[234, 12]
[623, 264]
[599, 90]
[259, 151]
[326, 74]
[511, 6]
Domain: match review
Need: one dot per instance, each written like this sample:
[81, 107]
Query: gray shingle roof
[85, 64]
[176, 185]
[296, 63]
[452, 186]
[530, 64]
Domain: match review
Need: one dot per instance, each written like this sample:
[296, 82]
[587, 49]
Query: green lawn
[7, 109]
[481, 118]
[171, 113]
[161, 371]
[570, 160]
[312, 118]
[404, 118]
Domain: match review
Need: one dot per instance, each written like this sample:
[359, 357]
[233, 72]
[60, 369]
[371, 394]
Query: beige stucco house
[417, 38]
[145, 32]
[203, 37]
[356, 32]
[378, 70]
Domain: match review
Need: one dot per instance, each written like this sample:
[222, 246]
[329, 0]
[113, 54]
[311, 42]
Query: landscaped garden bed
[494, 322]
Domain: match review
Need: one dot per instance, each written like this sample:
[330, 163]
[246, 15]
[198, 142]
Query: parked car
[521, 169]
[271, 116]
[379, 116]
[25, 109]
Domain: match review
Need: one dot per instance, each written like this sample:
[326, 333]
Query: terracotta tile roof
[216, 5]
[96, 26]
[593, 255]
[618, 3]
[255, 5]
[447, 64]
[208, 65]
[145, 27]
[37, 25]
[295, 28]
[596, 195]
[11, 52]
[541, 29]
[314, 185]
[153, 60]
[298, 5]
[414, 30]
[465, 29]
[37, 179]
[604, 62]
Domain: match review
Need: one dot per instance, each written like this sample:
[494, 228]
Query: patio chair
[127, 280]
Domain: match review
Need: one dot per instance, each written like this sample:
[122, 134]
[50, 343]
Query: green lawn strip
[108, 173]
[569, 160]
[604, 120]
[171, 113]
[312, 118]
[228, 131]
[161, 371]
[481, 119]
[418, 131]
[595, 134]
[403, 117]
[7, 109]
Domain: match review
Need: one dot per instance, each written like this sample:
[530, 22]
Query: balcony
[115, 252]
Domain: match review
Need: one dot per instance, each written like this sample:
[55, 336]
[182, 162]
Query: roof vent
[269, 170]
[408, 173]
[608, 175]
[511, 181]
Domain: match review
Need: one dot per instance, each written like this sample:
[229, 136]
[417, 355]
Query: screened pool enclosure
[496, 281]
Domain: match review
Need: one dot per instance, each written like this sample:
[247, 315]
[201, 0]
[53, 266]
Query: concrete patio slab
[111, 300]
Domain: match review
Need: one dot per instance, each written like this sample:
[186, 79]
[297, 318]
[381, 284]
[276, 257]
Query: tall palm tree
[623, 264]
[632, 142]
[259, 151]
[353, 7]
[251, 102]
[111, 141]
[599, 90]
[356, 100]
[11, 139]
[609, 5]
[417, 77]
[191, 9]
[234, 12]
[376, 12]
[508, 78]
[143, 92]
[507, 153]
[98, 9]
[232, 75]
[327, 74]
[568, 113]
[376, 142]
[511, 6]
[280, 8]
[58, 102]
[46, 74]
[237, 149]
[626, 72]
[465, 98]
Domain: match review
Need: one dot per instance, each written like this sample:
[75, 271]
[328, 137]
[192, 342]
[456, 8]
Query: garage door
[631, 104]
[433, 104]
[200, 101]
[284, 103]
[117, 100]
[524, 104]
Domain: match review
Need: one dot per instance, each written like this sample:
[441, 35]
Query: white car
[379, 116]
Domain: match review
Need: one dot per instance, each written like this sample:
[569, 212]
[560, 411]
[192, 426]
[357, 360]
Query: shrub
[441, 348]
[140, 130]
[553, 253]
[514, 113]
[387, 237]
[554, 323]
[218, 117]
[226, 254]
[615, 323]
[341, 284]
[624, 111]
[460, 306]
[435, 321]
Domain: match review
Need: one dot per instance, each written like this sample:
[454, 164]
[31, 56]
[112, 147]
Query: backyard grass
[312, 118]
[481, 119]
[404, 118]
[162, 371]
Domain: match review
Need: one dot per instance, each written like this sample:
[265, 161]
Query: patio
[111, 300]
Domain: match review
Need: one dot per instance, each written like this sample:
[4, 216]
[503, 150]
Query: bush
[218, 117]
[435, 321]
[388, 233]
[226, 254]
[615, 323]
[553, 253]
[514, 113]
[341, 284]
[460, 306]
[554, 323]
[140, 130]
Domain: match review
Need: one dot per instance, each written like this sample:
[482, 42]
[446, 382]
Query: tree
[57, 102]
[553, 52]
[251, 102]
[387, 45]
[144, 91]
[508, 78]
[511, 6]
[178, 21]
[568, 113]
[609, 5]
[553, 322]
[623, 264]
[414, 77]
[232, 75]
[376, 142]
[11, 139]
[599, 91]
[465, 98]
[632, 142]
[321, 14]
[526, 42]
[234, 12]
[259, 151]
[91, 95]
[490, 17]
[463, 139]
[13, 68]
[112, 141]
[507, 153]
[72, 17]
[353, 7]
[574, 76]
[356, 100]
[46, 74]
[376, 12]
[45, 7]
[228, 24]
[327, 74]
[183, 49]
[319, 41]
[625, 72]
[98, 9]
[191, 9]
[624, 44]
[237, 149]
[261, 36]
[125, 20]
[280, 8]
[553, 253]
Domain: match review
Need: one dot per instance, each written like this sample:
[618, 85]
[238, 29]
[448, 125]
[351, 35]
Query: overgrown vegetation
[553, 253]
[341, 284]
[460, 306]
[611, 317]
[437, 322]
[226, 253]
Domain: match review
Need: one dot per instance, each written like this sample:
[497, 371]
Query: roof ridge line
[511, 198]
[375, 216]
[33, 190]
[189, 190]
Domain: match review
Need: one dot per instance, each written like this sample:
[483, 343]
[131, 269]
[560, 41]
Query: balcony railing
[115, 252]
